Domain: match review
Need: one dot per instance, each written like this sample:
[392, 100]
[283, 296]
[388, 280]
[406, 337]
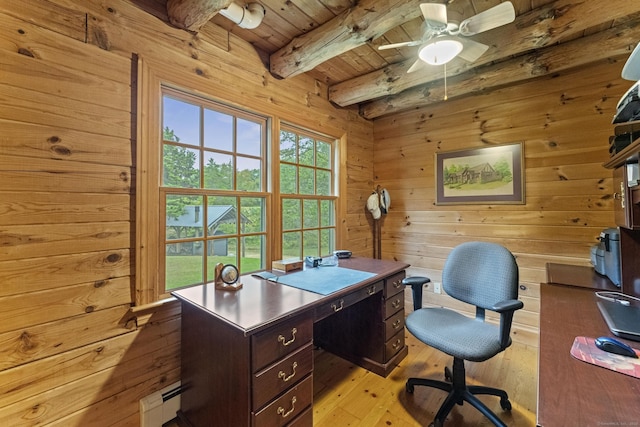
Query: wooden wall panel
[564, 123]
[73, 352]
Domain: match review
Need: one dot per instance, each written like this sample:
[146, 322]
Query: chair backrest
[481, 273]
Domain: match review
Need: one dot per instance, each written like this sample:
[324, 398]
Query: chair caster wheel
[409, 388]
[447, 374]
[505, 404]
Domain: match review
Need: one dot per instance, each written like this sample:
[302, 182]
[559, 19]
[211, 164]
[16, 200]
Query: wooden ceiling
[335, 41]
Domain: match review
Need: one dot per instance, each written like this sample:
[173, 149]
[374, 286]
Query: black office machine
[605, 256]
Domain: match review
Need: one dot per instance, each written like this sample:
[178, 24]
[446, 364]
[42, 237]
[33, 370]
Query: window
[212, 189]
[307, 193]
[216, 183]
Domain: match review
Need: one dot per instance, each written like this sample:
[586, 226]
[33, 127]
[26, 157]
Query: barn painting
[485, 175]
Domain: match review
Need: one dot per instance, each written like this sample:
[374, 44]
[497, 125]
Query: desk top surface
[261, 302]
[572, 392]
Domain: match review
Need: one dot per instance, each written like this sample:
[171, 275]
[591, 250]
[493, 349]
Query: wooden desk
[247, 356]
[572, 392]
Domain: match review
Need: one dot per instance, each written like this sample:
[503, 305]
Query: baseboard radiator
[161, 406]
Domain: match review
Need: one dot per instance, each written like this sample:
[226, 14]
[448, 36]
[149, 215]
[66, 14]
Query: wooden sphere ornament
[227, 276]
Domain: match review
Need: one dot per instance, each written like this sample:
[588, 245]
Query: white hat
[373, 204]
[385, 201]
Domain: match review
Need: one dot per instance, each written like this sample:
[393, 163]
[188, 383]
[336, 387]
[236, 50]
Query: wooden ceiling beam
[193, 14]
[545, 26]
[367, 20]
[612, 44]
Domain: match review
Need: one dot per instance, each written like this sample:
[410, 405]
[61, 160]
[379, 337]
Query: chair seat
[455, 334]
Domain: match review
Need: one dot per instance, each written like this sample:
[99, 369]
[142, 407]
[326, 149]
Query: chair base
[459, 393]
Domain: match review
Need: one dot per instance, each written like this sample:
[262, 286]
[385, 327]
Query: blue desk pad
[324, 280]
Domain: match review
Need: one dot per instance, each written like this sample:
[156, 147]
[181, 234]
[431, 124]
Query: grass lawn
[184, 270]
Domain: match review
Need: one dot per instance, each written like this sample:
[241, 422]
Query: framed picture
[485, 175]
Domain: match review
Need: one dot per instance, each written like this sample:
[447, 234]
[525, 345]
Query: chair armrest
[508, 305]
[416, 283]
[506, 309]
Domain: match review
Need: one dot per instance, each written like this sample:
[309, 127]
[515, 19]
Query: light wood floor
[346, 395]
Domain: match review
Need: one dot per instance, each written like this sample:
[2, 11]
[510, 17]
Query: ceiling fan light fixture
[440, 51]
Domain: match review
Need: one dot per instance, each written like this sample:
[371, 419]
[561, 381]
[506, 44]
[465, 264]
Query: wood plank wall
[72, 352]
[564, 122]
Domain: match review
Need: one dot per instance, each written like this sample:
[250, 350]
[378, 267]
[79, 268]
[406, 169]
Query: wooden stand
[627, 211]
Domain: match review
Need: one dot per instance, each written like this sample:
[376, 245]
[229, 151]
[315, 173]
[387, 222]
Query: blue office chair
[485, 275]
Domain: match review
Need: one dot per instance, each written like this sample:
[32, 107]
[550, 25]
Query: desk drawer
[287, 407]
[393, 284]
[280, 340]
[273, 380]
[393, 305]
[304, 420]
[394, 345]
[345, 301]
[393, 325]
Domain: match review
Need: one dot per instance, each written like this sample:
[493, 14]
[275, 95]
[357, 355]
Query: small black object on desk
[416, 283]
[612, 345]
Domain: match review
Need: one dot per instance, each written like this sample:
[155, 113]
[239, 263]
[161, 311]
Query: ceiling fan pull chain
[445, 82]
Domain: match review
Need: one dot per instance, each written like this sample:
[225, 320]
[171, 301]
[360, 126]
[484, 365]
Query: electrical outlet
[436, 288]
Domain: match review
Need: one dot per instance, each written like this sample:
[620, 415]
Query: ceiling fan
[443, 40]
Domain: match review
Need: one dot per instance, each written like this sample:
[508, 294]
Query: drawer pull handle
[282, 339]
[337, 308]
[284, 376]
[290, 411]
[397, 323]
[396, 303]
[371, 290]
[396, 344]
[397, 284]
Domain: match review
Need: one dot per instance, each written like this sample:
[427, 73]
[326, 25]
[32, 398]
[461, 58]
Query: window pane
[249, 174]
[288, 147]
[180, 167]
[181, 121]
[327, 241]
[222, 216]
[307, 154]
[252, 210]
[326, 213]
[288, 179]
[311, 243]
[310, 214]
[218, 171]
[291, 210]
[323, 155]
[182, 268]
[291, 245]
[252, 256]
[307, 178]
[323, 186]
[220, 251]
[249, 139]
[218, 130]
[184, 217]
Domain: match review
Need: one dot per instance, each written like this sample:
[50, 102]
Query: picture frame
[487, 175]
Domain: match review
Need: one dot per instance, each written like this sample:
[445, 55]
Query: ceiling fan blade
[471, 50]
[435, 15]
[418, 65]
[397, 45]
[499, 15]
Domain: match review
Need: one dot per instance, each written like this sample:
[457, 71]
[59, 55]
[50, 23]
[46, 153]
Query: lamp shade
[440, 51]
